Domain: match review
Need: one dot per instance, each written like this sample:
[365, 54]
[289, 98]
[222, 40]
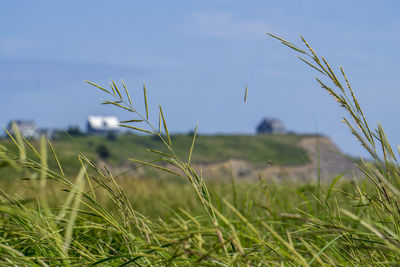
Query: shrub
[103, 152]
[74, 131]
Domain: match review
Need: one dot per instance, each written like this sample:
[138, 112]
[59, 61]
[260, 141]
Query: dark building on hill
[270, 126]
[27, 128]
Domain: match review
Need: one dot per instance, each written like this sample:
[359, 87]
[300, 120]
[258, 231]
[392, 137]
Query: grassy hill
[259, 150]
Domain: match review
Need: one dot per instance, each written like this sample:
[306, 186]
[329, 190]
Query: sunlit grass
[93, 217]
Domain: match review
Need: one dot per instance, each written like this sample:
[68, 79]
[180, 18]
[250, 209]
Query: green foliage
[74, 131]
[103, 152]
[97, 218]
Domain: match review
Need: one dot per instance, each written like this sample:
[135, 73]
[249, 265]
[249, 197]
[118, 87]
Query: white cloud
[226, 26]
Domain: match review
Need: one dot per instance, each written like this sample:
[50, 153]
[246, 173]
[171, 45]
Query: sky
[196, 58]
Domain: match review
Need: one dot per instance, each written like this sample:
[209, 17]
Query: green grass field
[259, 150]
[58, 214]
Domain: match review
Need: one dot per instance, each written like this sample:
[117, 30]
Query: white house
[102, 124]
[28, 128]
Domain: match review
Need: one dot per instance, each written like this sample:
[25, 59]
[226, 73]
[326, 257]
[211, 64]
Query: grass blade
[116, 89]
[19, 141]
[79, 185]
[127, 93]
[136, 128]
[55, 157]
[324, 248]
[192, 146]
[165, 126]
[333, 184]
[155, 166]
[145, 101]
[99, 87]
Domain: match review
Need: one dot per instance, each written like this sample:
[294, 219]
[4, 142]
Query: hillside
[245, 155]
[323, 158]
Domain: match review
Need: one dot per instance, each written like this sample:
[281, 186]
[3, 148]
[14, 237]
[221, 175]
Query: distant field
[257, 149]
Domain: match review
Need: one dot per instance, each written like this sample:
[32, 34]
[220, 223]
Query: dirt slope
[331, 163]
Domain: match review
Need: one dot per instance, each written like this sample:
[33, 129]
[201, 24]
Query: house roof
[30, 123]
[28, 128]
[23, 125]
[103, 122]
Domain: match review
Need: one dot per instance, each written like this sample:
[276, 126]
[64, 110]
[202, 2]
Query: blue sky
[196, 58]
